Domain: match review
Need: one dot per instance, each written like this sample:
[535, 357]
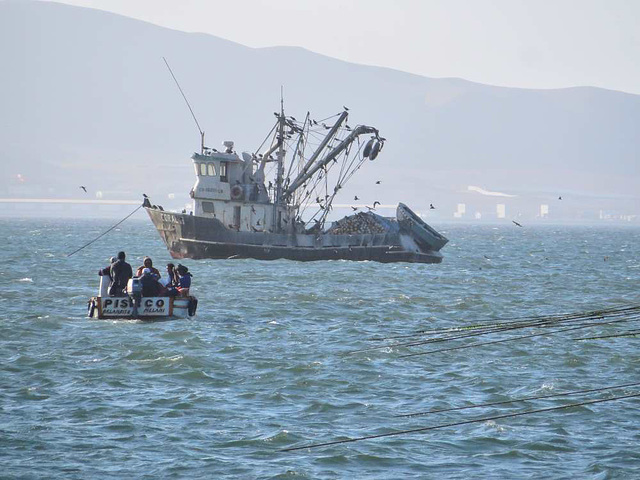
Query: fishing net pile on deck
[361, 223]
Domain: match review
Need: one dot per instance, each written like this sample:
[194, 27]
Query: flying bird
[431, 207]
[345, 108]
[354, 208]
[560, 197]
[517, 224]
[83, 188]
[356, 198]
[378, 182]
[374, 203]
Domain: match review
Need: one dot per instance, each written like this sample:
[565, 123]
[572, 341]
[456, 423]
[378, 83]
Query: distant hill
[86, 99]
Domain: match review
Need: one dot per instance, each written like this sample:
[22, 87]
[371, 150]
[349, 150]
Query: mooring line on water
[437, 339]
[103, 234]
[457, 424]
[517, 320]
[516, 400]
[632, 333]
[461, 347]
[539, 324]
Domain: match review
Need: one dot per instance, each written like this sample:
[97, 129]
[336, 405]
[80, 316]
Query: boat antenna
[188, 105]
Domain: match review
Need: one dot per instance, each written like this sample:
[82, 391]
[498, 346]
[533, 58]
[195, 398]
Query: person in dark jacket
[106, 271]
[121, 272]
[150, 285]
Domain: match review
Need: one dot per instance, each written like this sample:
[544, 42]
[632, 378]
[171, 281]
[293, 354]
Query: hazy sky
[521, 43]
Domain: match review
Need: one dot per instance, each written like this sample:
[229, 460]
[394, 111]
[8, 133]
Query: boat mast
[280, 159]
[188, 105]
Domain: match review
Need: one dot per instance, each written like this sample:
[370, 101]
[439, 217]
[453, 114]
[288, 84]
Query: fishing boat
[135, 306]
[274, 203]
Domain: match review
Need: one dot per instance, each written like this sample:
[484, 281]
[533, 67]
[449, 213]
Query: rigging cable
[103, 234]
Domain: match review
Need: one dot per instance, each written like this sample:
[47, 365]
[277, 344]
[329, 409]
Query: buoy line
[457, 424]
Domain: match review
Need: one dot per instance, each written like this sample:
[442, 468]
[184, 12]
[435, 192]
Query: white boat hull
[149, 308]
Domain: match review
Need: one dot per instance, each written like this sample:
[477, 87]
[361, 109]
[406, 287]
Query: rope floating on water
[480, 344]
[103, 234]
[457, 424]
[516, 400]
[584, 318]
[513, 321]
[632, 333]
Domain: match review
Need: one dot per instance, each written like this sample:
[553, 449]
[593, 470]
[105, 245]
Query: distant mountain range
[87, 100]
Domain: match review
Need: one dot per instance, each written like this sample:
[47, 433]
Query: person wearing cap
[147, 263]
[149, 282]
[121, 272]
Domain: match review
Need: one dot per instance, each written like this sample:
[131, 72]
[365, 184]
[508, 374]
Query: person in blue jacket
[183, 284]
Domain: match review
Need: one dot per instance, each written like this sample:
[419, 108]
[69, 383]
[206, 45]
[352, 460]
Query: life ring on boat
[237, 192]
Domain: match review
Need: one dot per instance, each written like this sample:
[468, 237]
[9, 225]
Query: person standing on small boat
[106, 271]
[121, 272]
[147, 263]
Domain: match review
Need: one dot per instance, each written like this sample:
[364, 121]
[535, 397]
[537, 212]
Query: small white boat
[135, 306]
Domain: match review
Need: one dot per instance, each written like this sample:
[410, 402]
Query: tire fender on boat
[192, 306]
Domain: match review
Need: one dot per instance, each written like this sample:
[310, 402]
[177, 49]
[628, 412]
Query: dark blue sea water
[263, 366]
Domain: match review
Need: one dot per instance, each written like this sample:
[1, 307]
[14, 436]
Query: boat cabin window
[223, 172]
[203, 169]
[211, 170]
[207, 207]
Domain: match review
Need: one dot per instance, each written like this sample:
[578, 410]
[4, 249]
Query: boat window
[203, 169]
[197, 165]
[223, 172]
[211, 171]
[207, 207]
